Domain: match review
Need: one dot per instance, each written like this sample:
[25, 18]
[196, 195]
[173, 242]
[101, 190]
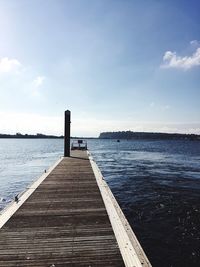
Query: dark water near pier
[157, 184]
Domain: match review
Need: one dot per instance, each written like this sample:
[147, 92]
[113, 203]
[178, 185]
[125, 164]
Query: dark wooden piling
[67, 134]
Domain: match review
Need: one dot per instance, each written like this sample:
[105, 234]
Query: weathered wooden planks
[63, 223]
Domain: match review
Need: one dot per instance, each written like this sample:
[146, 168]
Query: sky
[115, 64]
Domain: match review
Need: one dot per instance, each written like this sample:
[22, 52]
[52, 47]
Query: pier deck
[68, 217]
[63, 223]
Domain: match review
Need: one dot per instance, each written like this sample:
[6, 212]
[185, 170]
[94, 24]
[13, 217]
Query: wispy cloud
[195, 43]
[158, 107]
[152, 104]
[172, 60]
[34, 90]
[9, 65]
[39, 81]
[166, 107]
[15, 76]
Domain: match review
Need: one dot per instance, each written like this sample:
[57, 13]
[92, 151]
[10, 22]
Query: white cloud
[9, 65]
[195, 43]
[171, 60]
[39, 81]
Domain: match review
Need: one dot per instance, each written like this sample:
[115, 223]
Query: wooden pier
[68, 217]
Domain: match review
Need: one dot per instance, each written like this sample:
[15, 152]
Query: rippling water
[22, 161]
[157, 184]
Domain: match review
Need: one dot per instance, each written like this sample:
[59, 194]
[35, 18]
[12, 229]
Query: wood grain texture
[63, 223]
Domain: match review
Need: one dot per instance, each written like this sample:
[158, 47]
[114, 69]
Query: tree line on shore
[147, 135]
[114, 135]
[19, 135]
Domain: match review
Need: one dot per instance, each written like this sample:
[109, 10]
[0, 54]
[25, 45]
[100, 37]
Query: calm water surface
[157, 184]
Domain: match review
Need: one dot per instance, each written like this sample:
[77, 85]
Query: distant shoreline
[121, 135]
[129, 135]
[39, 136]
[30, 136]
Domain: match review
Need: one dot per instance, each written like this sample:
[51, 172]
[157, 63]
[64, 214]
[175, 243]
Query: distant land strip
[148, 135]
[40, 136]
[128, 135]
[37, 136]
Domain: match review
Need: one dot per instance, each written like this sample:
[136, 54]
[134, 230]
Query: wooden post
[67, 134]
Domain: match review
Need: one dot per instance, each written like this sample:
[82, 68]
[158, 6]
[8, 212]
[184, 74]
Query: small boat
[79, 145]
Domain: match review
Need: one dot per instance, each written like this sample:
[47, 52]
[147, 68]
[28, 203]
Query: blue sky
[117, 65]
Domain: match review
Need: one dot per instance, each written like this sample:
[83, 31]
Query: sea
[156, 183]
